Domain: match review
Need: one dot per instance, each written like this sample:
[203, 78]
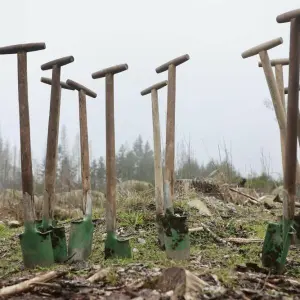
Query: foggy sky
[220, 96]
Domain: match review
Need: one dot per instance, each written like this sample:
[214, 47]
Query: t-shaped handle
[57, 62]
[156, 87]
[112, 70]
[288, 16]
[276, 62]
[270, 78]
[176, 62]
[262, 47]
[63, 84]
[286, 90]
[79, 87]
[29, 47]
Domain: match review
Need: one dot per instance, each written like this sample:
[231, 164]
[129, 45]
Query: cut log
[184, 283]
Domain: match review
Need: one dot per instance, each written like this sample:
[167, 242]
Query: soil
[231, 269]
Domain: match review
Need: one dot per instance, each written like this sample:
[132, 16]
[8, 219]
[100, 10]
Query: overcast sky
[220, 96]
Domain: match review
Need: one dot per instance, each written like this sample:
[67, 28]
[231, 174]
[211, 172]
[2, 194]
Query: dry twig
[220, 240]
[243, 240]
[251, 199]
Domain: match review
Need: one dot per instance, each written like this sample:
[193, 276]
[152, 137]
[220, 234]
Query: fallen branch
[28, 284]
[277, 281]
[251, 199]
[217, 238]
[49, 285]
[264, 283]
[243, 240]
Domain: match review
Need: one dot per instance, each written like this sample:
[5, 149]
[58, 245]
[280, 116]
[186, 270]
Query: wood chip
[99, 275]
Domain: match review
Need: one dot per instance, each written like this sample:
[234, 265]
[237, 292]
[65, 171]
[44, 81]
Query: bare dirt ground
[225, 254]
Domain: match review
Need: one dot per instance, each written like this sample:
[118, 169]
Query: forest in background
[134, 161]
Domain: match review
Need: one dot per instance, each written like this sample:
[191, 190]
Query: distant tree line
[135, 162]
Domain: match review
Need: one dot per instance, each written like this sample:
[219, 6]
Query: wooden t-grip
[62, 84]
[156, 86]
[79, 87]
[13, 49]
[57, 62]
[176, 62]
[275, 62]
[112, 70]
[286, 90]
[262, 47]
[288, 16]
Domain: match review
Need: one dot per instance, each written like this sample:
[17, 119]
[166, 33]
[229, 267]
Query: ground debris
[229, 271]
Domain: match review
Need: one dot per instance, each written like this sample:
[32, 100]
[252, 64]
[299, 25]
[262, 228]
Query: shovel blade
[177, 239]
[116, 248]
[39, 223]
[297, 229]
[59, 244]
[160, 232]
[81, 239]
[276, 245]
[58, 240]
[36, 248]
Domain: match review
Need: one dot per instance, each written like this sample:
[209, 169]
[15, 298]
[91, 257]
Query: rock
[121, 270]
[200, 206]
[169, 293]
[116, 296]
[141, 241]
[149, 294]
[14, 224]
[156, 270]
[268, 201]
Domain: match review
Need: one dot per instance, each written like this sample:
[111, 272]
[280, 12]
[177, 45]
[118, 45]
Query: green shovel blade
[36, 247]
[160, 232]
[39, 223]
[276, 245]
[81, 239]
[115, 247]
[58, 239]
[177, 240]
[59, 244]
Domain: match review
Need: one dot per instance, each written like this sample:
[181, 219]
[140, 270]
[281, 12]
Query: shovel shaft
[84, 146]
[84, 142]
[52, 142]
[280, 82]
[110, 155]
[159, 192]
[26, 164]
[170, 132]
[274, 91]
[280, 85]
[292, 117]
